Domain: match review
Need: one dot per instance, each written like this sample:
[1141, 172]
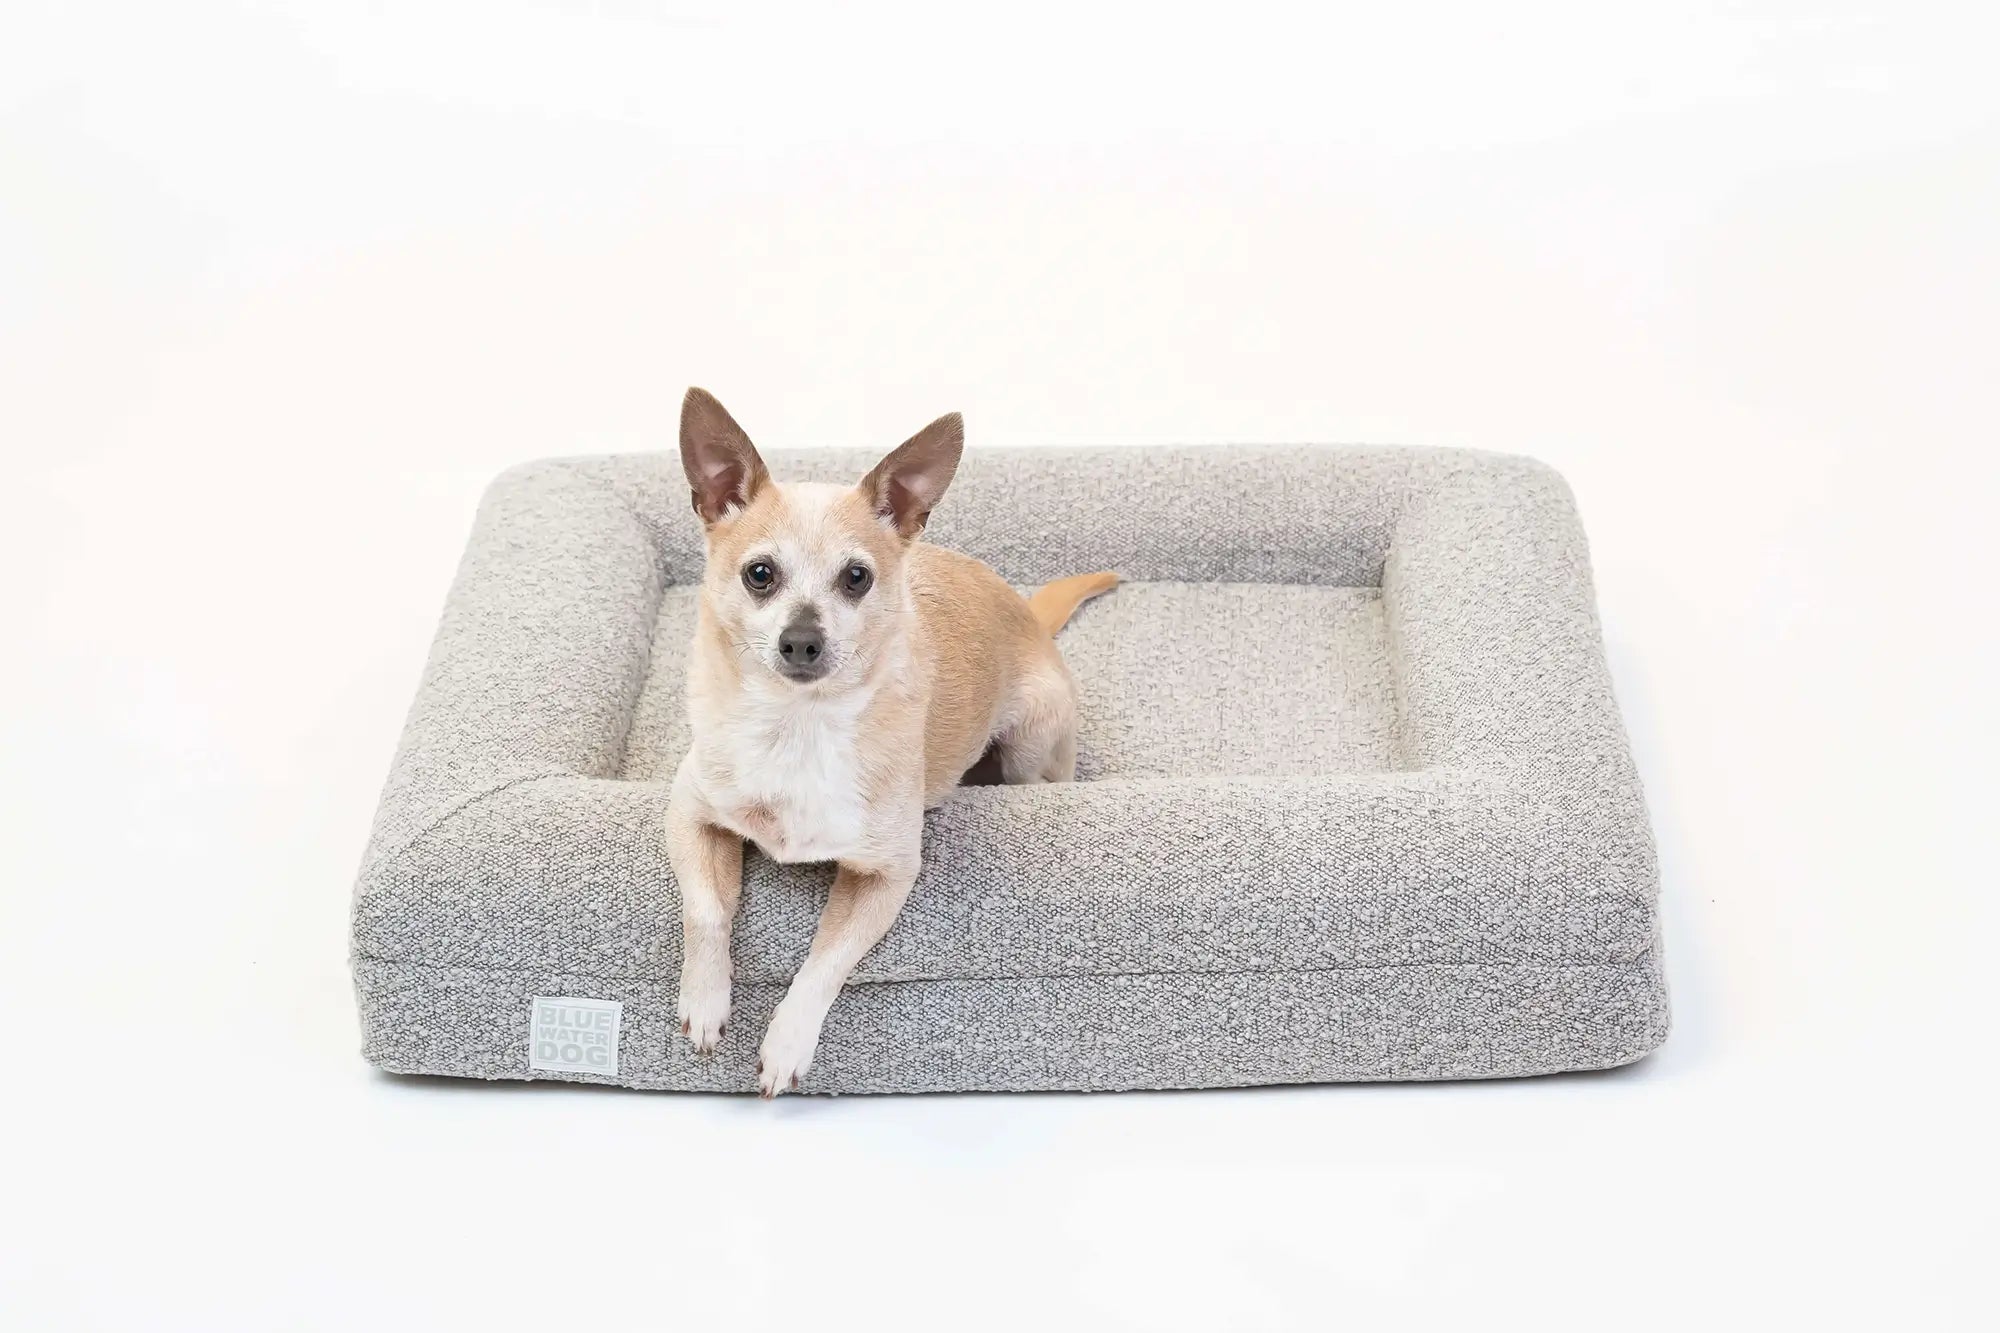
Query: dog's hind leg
[1037, 739]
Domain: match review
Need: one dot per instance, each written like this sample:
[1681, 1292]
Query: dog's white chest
[788, 777]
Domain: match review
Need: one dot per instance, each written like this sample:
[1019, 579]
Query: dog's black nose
[800, 647]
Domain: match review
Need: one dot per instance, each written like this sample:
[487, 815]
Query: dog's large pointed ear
[722, 466]
[906, 486]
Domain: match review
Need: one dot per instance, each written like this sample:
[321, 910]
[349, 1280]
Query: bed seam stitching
[453, 810]
[1555, 964]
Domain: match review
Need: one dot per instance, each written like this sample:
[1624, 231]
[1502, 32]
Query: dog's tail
[1054, 603]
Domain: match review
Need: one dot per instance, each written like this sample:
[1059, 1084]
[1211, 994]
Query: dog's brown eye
[857, 579]
[758, 576]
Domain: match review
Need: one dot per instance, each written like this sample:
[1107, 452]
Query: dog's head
[806, 580]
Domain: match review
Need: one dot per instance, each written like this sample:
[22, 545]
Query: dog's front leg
[708, 866]
[860, 908]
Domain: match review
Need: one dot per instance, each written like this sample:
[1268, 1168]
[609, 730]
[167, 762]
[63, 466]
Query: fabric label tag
[571, 1035]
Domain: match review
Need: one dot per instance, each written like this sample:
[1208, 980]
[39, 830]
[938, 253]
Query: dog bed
[1353, 802]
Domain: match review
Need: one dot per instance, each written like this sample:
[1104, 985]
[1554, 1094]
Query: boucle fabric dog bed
[1353, 800]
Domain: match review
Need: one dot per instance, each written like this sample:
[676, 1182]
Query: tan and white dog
[844, 677]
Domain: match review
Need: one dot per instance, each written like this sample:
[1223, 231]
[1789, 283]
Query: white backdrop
[281, 285]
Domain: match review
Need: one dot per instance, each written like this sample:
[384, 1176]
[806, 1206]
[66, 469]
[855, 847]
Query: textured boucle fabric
[1354, 802]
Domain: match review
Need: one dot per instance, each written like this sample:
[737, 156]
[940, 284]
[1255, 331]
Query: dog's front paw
[787, 1052]
[703, 1010]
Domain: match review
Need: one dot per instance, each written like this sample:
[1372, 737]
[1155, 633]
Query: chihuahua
[844, 677]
